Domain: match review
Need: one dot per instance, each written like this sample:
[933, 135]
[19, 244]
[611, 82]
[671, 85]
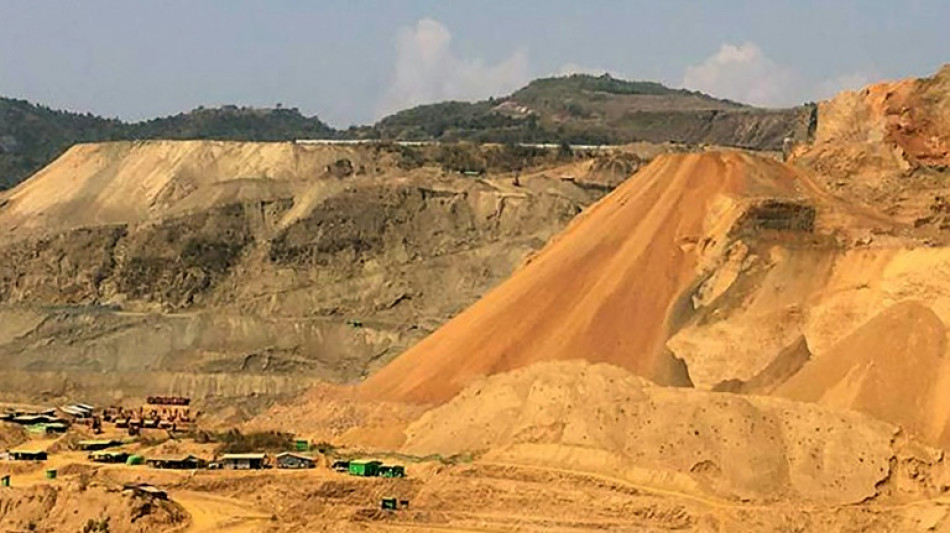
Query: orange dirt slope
[608, 289]
[893, 368]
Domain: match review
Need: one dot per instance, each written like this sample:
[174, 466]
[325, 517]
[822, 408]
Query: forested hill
[578, 109]
[584, 109]
[33, 135]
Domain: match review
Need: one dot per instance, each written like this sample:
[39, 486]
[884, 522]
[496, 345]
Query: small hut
[95, 445]
[294, 460]
[392, 471]
[56, 427]
[32, 420]
[105, 456]
[175, 462]
[28, 455]
[243, 461]
[365, 468]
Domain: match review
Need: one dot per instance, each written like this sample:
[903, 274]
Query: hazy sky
[351, 61]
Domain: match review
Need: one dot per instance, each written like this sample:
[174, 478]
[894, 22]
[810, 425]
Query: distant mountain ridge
[577, 109]
[583, 109]
[32, 135]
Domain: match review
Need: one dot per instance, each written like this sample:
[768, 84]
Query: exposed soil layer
[226, 269]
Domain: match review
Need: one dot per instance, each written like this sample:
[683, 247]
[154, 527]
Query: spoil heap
[731, 272]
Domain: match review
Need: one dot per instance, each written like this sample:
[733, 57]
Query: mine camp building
[391, 471]
[243, 461]
[55, 427]
[176, 462]
[28, 455]
[365, 468]
[94, 445]
[78, 410]
[106, 456]
[30, 420]
[294, 460]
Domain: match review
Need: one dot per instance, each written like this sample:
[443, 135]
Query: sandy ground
[491, 496]
[209, 513]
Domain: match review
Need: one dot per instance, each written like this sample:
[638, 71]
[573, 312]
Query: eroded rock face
[777, 215]
[250, 259]
[887, 147]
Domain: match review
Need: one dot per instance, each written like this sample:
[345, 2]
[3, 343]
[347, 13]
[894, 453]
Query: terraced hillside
[235, 269]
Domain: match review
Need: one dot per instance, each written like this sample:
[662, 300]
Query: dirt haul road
[217, 513]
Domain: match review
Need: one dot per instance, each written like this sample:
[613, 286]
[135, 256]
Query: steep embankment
[615, 285]
[722, 271]
[237, 268]
[892, 367]
[888, 147]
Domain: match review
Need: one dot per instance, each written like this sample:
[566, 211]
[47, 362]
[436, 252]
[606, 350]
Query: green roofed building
[365, 468]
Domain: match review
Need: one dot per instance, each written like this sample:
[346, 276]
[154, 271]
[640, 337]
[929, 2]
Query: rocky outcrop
[257, 261]
[887, 147]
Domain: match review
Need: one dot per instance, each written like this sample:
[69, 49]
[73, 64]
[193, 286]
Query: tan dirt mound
[601, 418]
[11, 435]
[71, 507]
[129, 182]
[893, 368]
[607, 289]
